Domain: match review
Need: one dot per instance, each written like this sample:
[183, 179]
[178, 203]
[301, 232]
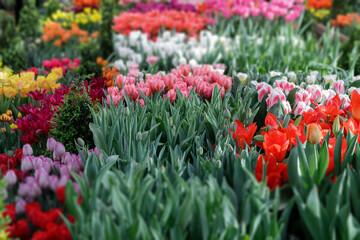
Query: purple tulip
[59, 149]
[37, 162]
[34, 191]
[66, 157]
[63, 180]
[54, 182]
[20, 206]
[23, 190]
[10, 178]
[50, 144]
[64, 171]
[26, 164]
[27, 150]
[42, 177]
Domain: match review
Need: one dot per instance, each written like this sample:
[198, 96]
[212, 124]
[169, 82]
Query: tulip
[42, 177]
[313, 133]
[50, 144]
[26, 164]
[27, 150]
[20, 206]
[10, 178]
[336, 126]
[34, 190]
[64, 171]
[53, 182]
[59, 150]
[23, 190]
[355, 105]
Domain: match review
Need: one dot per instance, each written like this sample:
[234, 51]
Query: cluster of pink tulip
[313, 93]
[202, 80]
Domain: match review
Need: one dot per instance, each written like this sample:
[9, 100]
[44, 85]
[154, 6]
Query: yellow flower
[3, 130]
[19, 115]
[9, 112]
[3, 235]
[13, 126]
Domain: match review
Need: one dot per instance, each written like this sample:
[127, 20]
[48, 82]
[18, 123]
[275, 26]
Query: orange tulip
[355, 105]
[313, 133]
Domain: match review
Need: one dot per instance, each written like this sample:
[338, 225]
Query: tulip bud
[126, 112]
[242, 77]
[336, 126]
[80, 142]
[19, 115]
[200, 151]
[9, 113]
[27, 150]
[10, 178]
[227, 114]
[218, 164]
[138, 136]
[313, 133]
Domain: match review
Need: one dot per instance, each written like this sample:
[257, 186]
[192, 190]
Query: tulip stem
[316, 156]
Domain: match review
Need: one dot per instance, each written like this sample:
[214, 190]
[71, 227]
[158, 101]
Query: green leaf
[323, 162]
[337, 153]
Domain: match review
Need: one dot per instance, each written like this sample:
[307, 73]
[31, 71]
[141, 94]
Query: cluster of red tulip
[279, 141]
[152, 22]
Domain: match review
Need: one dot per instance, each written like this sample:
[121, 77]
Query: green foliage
[146, 201]
[7, 29]
[108, 8]
[72, 120]
[3, 220]
[51, 7]
[16, 56]
[29, 26]
[348, 49]
[89, 53]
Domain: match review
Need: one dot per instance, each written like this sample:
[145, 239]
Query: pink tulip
[10, 178]
[59, 149]
[274, 97]
[26, 164]
[50, 144]
[20, 206]
[27, 150]
[42, 177]
[339, 86]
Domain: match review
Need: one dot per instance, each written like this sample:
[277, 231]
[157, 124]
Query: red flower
[276, 144]
[10, 211]
[355, 105]
[60, 192]
[20, 230]
[243, 135]
[276, 173]
[18, 155]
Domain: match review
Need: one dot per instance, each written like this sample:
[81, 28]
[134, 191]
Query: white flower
[274, 74]
[311, 79]
[242, 77]
[292, 77]
[119, 64]
[330, 79]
